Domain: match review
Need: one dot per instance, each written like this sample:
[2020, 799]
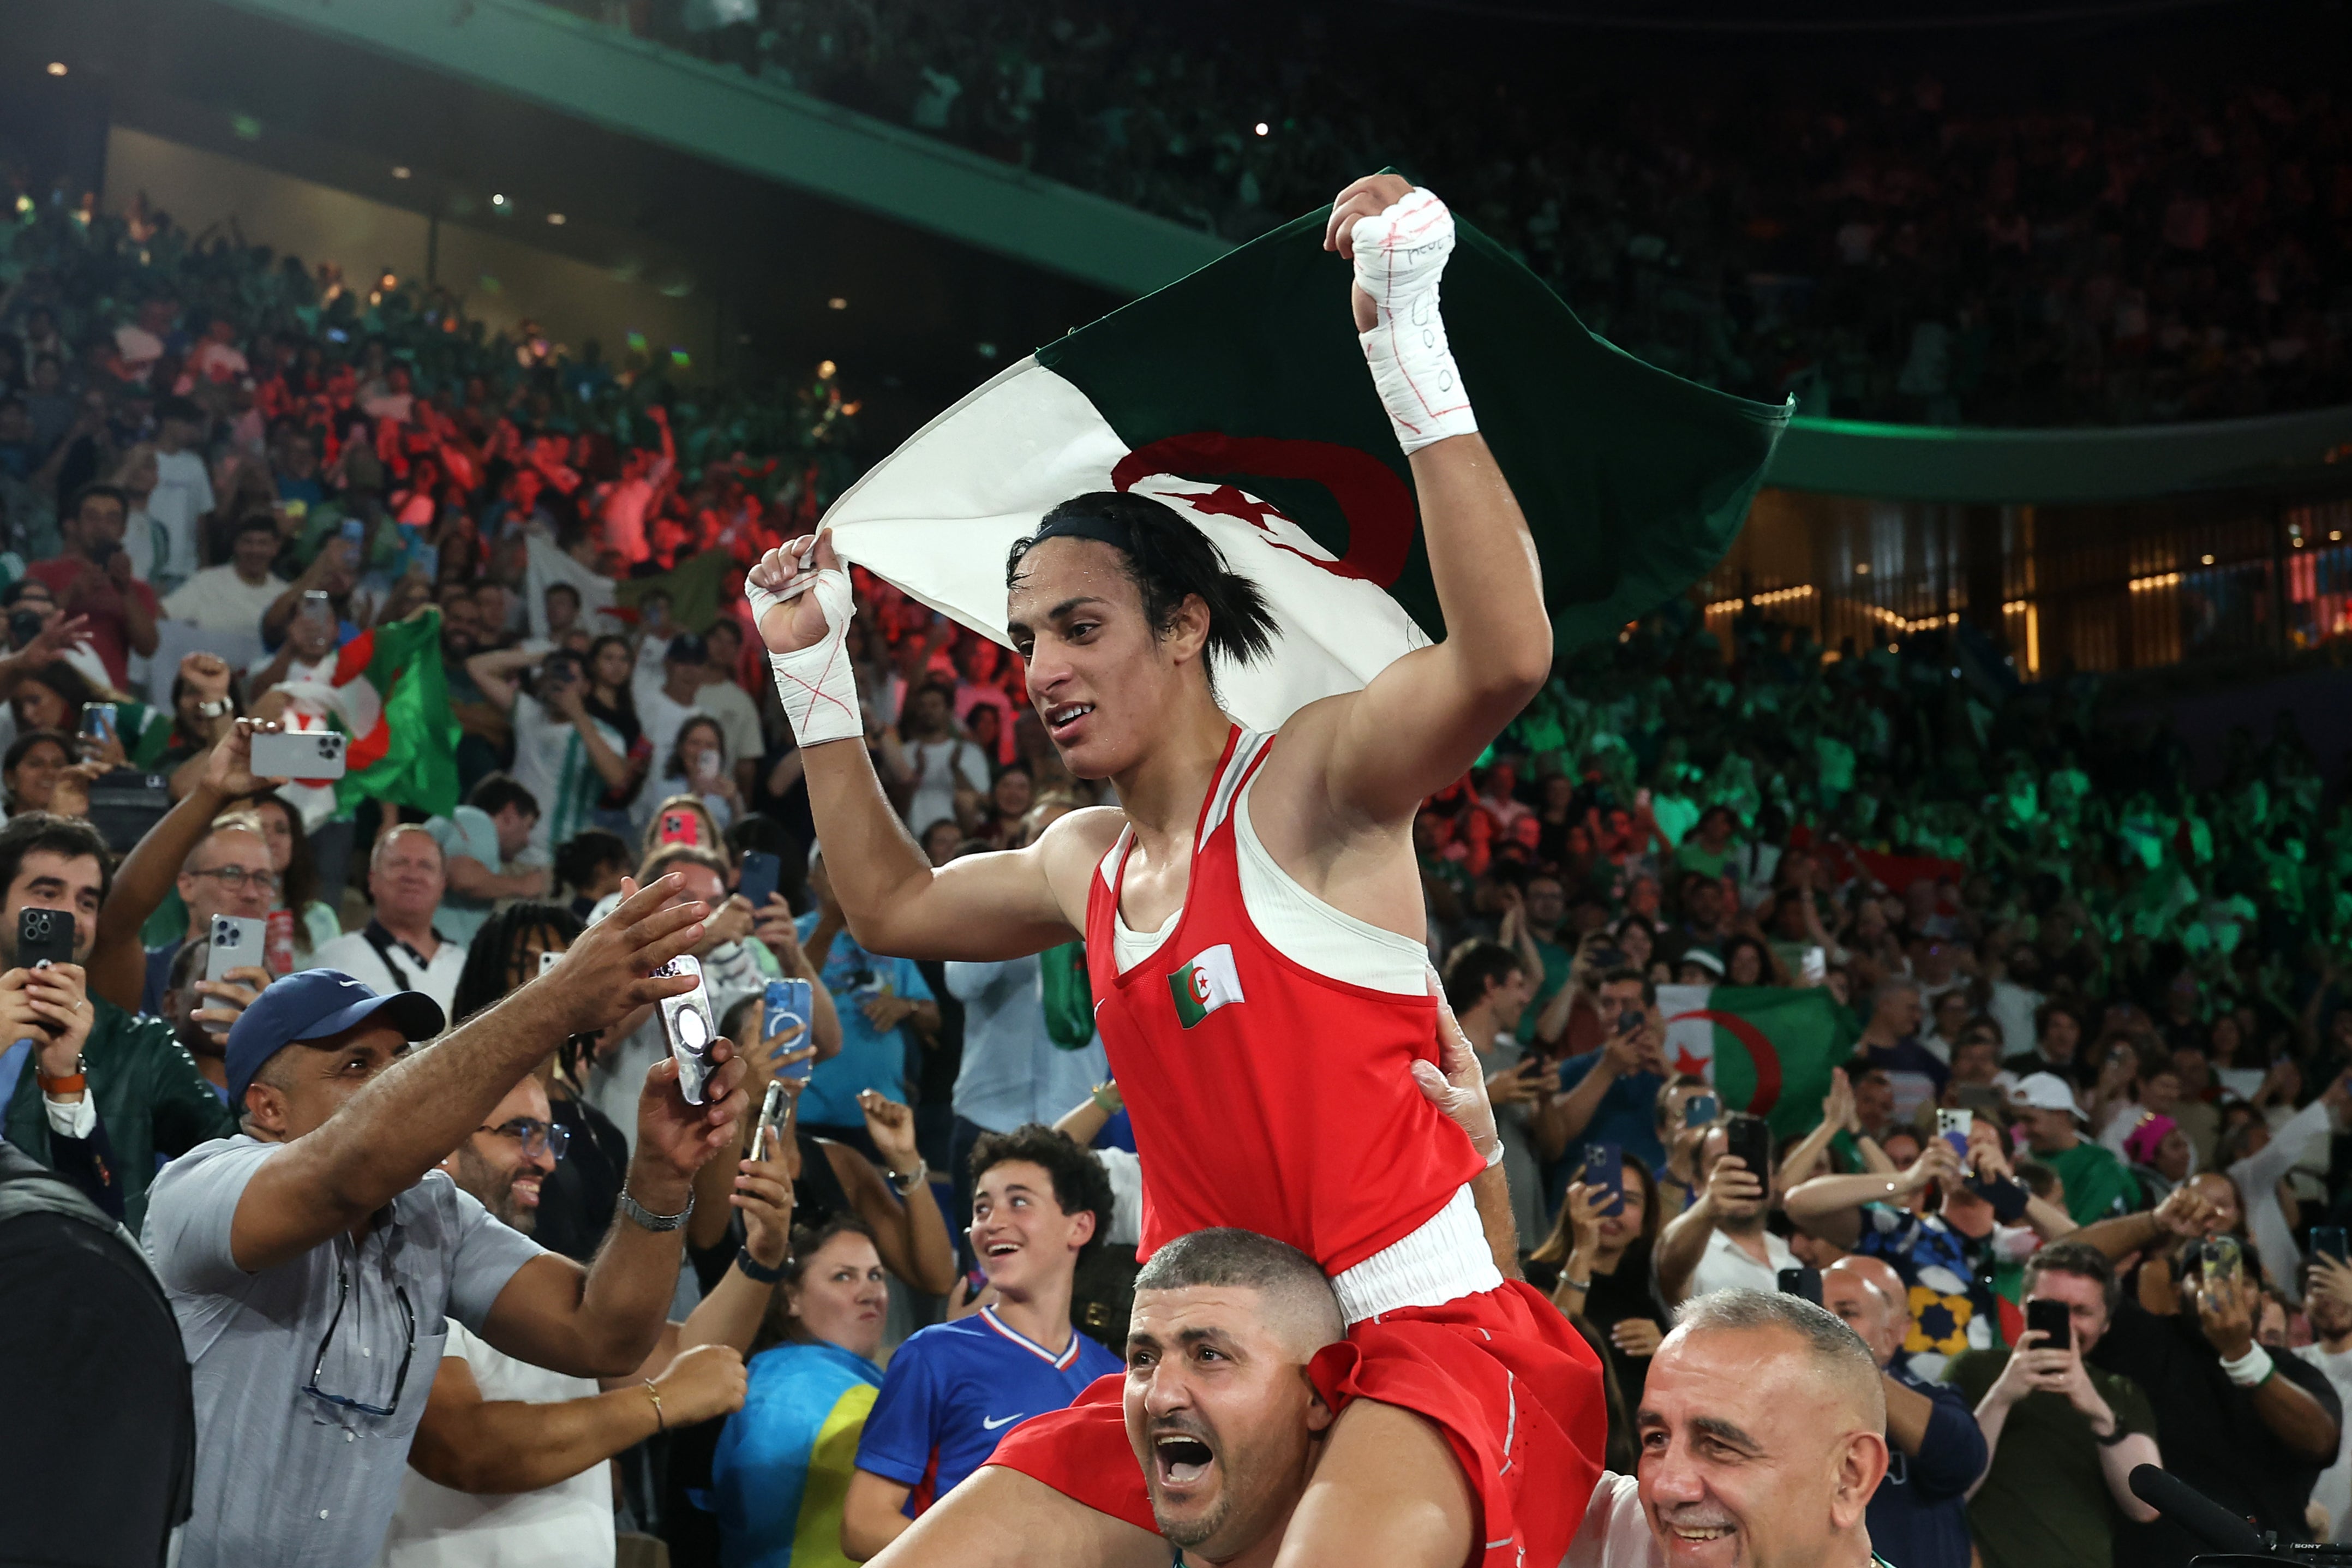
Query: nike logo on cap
[987, 1425]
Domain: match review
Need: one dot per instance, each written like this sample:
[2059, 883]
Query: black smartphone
[44, 936]
[760, 872]
[1805, 1280]
[1604, 1167]
[1750, 1138]
[2054, 1320]
[2329, 1241]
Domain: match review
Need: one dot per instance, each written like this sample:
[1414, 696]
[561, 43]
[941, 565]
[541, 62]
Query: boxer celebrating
[1254, 929]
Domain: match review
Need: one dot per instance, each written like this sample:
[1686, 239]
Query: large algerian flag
[388, 692]
[1240, 396]
[1768, 1049]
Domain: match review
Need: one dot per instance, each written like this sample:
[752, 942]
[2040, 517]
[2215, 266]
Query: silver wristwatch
[647, 1219]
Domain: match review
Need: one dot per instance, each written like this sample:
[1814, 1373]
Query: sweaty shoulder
[1069, 851]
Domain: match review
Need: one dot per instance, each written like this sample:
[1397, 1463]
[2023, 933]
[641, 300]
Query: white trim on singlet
[1304, 929]
[1314, 935]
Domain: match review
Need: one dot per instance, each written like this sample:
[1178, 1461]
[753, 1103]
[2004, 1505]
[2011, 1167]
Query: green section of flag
[1635, 481]
[697, 589]
[1185, 985]
[1805, 1029]
[419, 764]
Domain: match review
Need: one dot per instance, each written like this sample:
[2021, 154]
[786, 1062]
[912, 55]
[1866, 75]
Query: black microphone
[2191, 1509]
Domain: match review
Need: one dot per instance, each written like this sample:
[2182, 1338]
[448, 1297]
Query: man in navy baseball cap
[312, 1009]
[313, 1259]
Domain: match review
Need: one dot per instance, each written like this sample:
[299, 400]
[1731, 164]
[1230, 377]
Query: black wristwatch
[2112, 1438]
[754, 1269]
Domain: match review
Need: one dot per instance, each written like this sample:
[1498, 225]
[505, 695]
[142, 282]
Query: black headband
[1079, 525]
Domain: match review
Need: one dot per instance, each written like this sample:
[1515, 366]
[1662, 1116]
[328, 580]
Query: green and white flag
[1239, 394]
[1208, 982]
[1768, 1049]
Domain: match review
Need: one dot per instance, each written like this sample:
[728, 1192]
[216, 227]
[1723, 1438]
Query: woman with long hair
[315, 920]
[697, 767]
[1603, 1264]
[54, 697]
[784, 1459]
[39, 770]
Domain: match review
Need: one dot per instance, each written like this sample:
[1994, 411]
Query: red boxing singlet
[1266, 1095]
[1269, 1097]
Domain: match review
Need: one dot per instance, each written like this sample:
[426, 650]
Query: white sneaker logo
[988, 1426]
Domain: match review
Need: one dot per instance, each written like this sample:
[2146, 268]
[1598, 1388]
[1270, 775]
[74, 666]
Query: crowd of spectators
[2131, 982]
[1896, 247]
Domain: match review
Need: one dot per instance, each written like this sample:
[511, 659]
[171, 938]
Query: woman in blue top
[783, 1462]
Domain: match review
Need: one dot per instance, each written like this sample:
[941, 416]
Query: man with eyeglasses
[227, 873]
[507, 1469]
[314, 1260]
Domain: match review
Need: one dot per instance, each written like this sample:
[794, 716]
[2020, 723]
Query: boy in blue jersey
[1040, 1203]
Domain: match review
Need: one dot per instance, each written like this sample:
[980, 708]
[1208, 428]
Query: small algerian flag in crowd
[387, 691]
[1208, 982]
[1768, 1049]
[1239, 394]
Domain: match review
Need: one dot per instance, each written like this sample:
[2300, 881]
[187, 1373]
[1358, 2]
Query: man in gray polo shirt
[312, 1259]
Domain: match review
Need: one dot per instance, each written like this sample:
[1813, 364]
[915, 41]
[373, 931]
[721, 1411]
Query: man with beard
[508, 1465]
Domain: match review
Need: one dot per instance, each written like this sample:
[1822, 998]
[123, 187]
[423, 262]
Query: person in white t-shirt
[566, 757]
[234, 598]
[2328, 1300]
[399, 950]
[184, 490]
[724, 698]
[933, 761]
[1719, 1243]
[664, 707]
[507, 1466]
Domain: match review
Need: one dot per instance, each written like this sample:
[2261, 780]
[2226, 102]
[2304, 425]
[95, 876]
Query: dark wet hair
[1168, 560]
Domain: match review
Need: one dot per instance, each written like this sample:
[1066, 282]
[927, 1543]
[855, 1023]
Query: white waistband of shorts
[1444, 1260]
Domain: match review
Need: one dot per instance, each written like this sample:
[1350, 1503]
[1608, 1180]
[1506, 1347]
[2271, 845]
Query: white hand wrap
[1399, 257]
[817, 684]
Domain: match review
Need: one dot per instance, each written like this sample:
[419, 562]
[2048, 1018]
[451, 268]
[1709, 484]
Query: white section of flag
[1215, 980]
[938, 516]
[1687, 1038]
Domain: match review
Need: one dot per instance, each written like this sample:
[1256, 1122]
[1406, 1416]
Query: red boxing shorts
[1515, 1389]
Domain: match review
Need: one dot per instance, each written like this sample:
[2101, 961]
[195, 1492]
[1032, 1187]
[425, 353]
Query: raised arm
[1831, 1206]
[117, 961]
[405, 1121]
[496, 670]
[994, 906]
[1423, 720]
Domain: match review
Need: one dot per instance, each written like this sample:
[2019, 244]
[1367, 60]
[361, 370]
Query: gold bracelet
[660, 1425]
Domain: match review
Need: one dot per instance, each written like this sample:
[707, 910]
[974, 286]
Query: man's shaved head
[1295, 1299]
[1222, 1413]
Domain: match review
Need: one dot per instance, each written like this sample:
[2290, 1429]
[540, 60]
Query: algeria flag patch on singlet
[1206, 985]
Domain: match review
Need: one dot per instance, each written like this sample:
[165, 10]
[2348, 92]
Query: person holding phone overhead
[1597, 1265]
[1719, 1243]
[2064, 1435]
